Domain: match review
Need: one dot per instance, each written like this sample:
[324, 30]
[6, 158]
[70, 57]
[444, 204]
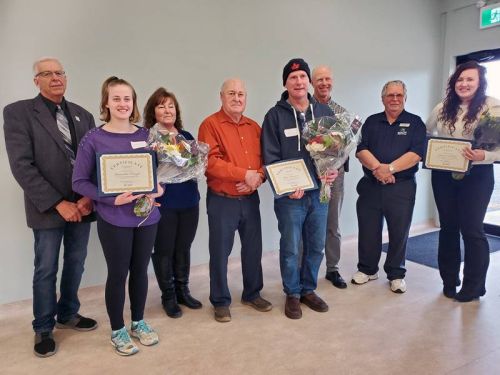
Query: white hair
[43, 59]
[227, 81]
[395, 82]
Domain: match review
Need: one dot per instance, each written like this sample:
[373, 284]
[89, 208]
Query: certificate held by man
[446, 154]
[126, 172]
[288, 176]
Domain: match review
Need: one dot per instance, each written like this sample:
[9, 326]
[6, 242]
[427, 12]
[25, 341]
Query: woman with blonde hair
[127, 240]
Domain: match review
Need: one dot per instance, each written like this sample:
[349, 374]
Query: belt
[225, 195]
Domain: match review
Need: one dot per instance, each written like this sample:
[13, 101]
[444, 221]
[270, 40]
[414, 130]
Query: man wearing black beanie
[301, 214]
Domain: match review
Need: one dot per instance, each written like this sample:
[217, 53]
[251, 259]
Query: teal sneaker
[123, 343]
[144, 333]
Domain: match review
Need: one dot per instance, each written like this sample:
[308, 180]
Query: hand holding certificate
[288, 176]
[446, 154]
[126, 172]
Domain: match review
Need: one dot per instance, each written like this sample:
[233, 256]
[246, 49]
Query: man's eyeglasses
[394, 96]
[48, 73]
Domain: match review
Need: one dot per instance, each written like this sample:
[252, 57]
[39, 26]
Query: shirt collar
[223, 117]
[53, 106]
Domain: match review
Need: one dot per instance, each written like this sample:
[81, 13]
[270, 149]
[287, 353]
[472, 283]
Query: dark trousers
[172, 250]
[462, 206]
[126, 250]
[225, 217]
[395, 203]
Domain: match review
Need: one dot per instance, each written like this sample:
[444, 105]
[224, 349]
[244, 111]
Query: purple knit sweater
[99, 140]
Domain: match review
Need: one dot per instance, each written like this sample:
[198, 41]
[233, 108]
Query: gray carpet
[423, 249]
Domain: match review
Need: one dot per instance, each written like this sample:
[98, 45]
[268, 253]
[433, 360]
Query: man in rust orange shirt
[234, 173]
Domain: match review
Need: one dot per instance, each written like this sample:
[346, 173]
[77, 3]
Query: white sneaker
[143, 331]
[123, 344]
[362, 278]
[398, 285]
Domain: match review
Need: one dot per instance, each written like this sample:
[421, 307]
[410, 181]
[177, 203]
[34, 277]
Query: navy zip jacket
[281, 140]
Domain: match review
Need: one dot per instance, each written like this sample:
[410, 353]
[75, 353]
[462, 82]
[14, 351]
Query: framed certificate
[445, 154]
[121, 172]
[289, 175]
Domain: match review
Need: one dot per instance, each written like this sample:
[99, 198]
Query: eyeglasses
[48, 73]
[394, 96]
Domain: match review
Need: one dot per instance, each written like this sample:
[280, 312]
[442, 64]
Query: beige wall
[190, 47]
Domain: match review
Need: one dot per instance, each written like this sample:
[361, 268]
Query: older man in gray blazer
[42, 136]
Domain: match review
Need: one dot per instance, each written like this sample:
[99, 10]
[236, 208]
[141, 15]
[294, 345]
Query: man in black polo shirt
[392, 144]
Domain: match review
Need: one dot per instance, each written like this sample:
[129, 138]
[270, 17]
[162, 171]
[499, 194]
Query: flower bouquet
[487, 133]
[179, 160]
[486, 136]
[329, 141]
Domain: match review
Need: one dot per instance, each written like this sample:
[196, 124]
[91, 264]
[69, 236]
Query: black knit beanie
[294, 65]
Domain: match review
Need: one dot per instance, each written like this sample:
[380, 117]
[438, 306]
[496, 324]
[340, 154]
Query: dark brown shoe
[222, 314]
[259, 304]
[292, 308]
[314, 302]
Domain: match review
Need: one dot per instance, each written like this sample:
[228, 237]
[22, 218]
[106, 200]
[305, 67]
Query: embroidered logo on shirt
[403, 128]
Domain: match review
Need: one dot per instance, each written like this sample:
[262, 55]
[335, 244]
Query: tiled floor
[368, 330]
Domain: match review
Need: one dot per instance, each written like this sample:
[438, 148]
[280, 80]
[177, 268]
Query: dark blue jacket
[279, 139]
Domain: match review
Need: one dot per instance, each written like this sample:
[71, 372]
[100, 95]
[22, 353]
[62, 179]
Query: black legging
[176, 232]
[126, 249]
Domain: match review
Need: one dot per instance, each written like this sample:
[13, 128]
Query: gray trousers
[333, 237]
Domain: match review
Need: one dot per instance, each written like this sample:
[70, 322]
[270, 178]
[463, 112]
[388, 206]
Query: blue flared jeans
[301, 218]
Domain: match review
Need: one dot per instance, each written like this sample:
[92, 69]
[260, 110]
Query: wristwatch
[392, 169]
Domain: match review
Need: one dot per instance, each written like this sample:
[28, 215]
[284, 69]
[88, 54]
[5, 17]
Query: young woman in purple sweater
[127, 246]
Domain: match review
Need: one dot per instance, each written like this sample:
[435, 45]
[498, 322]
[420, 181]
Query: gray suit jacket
[38, 158]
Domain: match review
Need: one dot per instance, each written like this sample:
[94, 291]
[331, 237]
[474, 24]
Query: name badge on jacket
[291, 132]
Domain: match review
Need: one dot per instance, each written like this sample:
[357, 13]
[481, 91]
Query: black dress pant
[395, 203]
[225, 217]
[462, 206]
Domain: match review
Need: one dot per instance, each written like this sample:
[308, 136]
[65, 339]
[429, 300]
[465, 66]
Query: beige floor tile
[368, 330]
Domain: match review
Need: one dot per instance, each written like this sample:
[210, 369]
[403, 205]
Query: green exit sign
[489, 16]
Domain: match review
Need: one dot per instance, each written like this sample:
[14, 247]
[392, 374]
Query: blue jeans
[298, 218]
[47, 245]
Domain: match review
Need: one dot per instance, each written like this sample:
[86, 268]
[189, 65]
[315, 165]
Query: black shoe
[463, 296]
[449, 291]
[336, 279]
[79, 323]
[185, 298]
[172, 308]
[45, 346]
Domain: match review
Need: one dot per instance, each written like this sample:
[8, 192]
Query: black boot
[163, 272]
[184, 297]
[171, 307]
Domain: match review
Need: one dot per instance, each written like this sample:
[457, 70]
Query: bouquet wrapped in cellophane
[329, 140]
[179, 160]
[486, 136]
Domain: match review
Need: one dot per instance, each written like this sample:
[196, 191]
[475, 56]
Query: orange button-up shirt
[234, 149]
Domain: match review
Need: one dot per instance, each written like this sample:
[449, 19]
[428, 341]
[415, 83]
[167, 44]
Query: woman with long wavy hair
[462, 202]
